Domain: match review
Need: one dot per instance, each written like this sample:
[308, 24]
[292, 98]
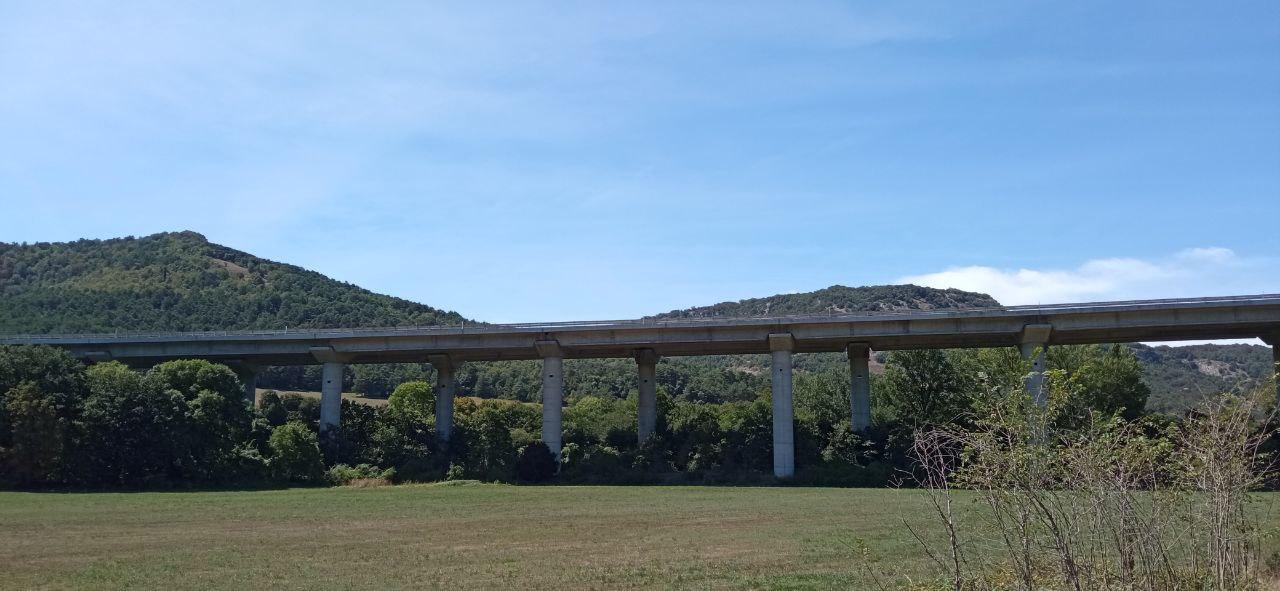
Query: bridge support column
[647, 407]
[859, 385]
[552, 394]
[1035, 342]
[444, 390]
[784, 445]
[331, 396]
[248, 374]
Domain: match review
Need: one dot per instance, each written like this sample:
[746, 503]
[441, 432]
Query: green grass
[457, 536]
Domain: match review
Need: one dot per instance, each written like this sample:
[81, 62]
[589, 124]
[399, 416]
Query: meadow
[466, 535]
[458, 535]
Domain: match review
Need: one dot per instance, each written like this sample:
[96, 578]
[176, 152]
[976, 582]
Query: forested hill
[180, 281]
[839, 299]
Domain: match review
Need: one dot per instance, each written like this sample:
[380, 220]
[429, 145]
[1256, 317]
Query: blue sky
[522, 162]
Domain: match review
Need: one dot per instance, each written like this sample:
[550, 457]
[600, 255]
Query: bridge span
[1031, 328]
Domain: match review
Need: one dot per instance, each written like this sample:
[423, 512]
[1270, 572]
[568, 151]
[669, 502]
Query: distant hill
[180, 281]
[839, 299]
[1181, 376]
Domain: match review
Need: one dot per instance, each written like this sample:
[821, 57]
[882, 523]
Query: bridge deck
[1101, 322]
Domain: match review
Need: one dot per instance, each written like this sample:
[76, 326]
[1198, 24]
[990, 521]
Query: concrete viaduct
[1031, 328]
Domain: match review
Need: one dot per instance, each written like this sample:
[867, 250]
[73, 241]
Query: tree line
[185, 422]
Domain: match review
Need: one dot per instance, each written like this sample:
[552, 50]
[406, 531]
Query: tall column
[248, 374]
[444, 389]
[784, 443]
[647, 418]
[1035, 342]
[859, 385]
[331, 396]
[552, 393]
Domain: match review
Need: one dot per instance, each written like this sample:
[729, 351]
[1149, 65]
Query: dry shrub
[1098, 502]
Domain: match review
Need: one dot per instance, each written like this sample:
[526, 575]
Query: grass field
[351, 396]
[456, 535]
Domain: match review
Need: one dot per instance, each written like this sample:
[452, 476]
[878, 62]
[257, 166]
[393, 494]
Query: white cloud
[1191, 272]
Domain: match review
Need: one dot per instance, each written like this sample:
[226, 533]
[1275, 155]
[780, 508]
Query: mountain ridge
[180, 281]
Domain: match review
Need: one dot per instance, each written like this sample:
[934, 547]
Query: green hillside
[180, 281]
[839, 299]
[1181, 376]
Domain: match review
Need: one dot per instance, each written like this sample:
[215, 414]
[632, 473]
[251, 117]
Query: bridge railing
[673, 321]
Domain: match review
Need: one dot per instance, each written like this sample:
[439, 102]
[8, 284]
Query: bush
[536, 463]
[455, 472]
[295, 454]
[342, 474]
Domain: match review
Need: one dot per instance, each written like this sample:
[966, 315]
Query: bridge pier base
[784, 446]
[444, 390]
[647, 404]
[552, 394]
[859, 385]
[331, 396]
[1035, 342]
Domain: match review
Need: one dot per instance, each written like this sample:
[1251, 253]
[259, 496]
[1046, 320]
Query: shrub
[343, 474]
[295, 453]
[455, 472]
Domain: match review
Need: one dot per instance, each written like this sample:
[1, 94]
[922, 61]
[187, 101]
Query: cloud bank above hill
[1201, 271]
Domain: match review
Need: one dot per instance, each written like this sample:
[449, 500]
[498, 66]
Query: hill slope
[839, 299]
[180, 281]
[1181, 376]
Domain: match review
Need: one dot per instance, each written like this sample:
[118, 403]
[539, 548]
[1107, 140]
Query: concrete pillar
[331, 396]
[1035, 342]
[647, 418]
[784, 443]
[248, 374]
[859, 385]
[444, 390]
[552, 394]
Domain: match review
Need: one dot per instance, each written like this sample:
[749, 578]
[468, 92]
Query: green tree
[536, 463]
[39, 439]
[133, 432]
[217, 416]
[927, 387]
[416, 396]
[1105, 379]
[295, 453]
[41, 390]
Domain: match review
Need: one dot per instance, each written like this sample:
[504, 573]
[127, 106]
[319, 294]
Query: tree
[132, 431]
[1108, 380]
[822, 399]
[927, 387]
[217, 415]
[536, 463]
[41, 389]
[39, 436]
[416, 396]
[295, 453]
